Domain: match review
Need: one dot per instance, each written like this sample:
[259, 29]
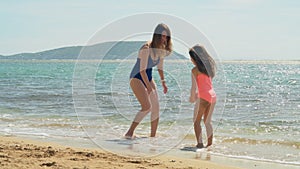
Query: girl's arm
[193, 94]
[160, 68]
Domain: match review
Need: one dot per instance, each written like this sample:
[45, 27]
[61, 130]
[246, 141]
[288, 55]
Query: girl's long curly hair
[204, 62]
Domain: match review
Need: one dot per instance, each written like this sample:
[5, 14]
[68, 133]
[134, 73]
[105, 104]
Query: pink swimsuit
[205, 88]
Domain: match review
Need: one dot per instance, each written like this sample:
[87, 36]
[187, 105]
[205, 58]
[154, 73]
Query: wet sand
[16, 153]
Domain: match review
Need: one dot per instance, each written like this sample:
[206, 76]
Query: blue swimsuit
[135, 73]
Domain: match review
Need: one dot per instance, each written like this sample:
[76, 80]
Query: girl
[202, 75]
[141, 82]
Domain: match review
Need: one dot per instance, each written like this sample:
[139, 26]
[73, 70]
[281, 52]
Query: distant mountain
[107, 51]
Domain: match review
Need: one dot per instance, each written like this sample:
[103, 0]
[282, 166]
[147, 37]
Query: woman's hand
[150, 90]
[165, 87]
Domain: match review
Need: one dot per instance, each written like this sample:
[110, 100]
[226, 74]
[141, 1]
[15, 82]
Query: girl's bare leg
[208, 124]
[199, 110]
[141, 94]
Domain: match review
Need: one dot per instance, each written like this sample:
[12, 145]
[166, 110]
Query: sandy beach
[16, 153]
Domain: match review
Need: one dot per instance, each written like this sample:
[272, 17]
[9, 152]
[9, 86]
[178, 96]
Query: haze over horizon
[238, 29]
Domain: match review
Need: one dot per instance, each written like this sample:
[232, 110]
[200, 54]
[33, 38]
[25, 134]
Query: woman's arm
[193, 93]
[144, 56]
[160, 68]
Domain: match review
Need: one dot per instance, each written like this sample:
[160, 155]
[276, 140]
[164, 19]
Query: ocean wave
[55, 125]
[292, 163]
[294, 144]
[247, 141]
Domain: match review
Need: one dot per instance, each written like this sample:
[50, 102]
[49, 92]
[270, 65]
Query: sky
[238, 29]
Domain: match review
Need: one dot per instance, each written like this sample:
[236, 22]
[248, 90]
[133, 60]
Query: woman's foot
[200, 145]
[128, 137]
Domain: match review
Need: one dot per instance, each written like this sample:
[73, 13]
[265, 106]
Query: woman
[143, 86]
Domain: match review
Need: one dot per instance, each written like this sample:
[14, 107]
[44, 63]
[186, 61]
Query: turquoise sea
[256, 117]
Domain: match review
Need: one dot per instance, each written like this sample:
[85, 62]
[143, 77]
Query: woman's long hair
[204, 62]
[156, 38]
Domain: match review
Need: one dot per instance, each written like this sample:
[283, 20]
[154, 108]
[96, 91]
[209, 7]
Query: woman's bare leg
[154, 109]
[141, 94]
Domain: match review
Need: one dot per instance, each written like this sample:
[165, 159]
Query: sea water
[256, 117]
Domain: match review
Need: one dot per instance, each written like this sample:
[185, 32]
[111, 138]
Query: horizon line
[167, 60]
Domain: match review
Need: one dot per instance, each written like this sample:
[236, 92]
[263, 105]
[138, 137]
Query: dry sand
[21, 153]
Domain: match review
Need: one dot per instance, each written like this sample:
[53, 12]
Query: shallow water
[256, 117]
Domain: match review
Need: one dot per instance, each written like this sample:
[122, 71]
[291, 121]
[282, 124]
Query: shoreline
[17, 152]
[29, 152]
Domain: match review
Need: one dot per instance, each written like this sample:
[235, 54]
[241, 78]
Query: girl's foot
[209, 141]
[200, 145]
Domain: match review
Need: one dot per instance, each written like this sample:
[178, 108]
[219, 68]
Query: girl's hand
[193, 98]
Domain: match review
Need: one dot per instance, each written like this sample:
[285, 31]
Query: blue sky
[238, 29]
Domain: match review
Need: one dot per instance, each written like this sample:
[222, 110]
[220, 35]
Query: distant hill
[107, 51]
